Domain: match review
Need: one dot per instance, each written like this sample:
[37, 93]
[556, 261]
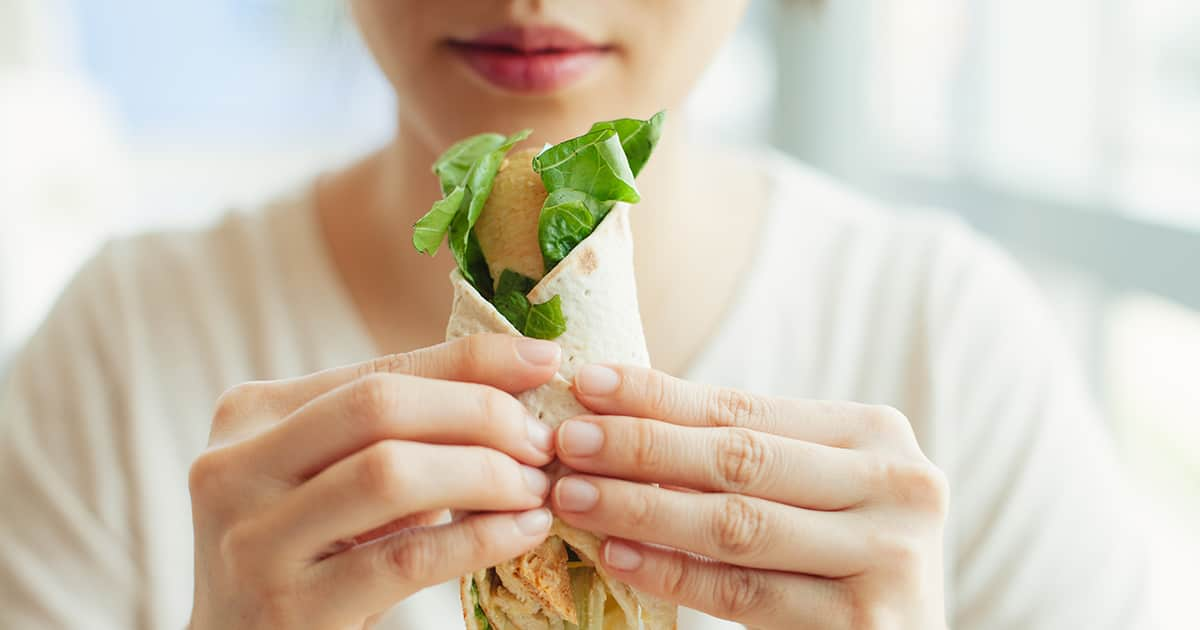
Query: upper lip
[531, 39]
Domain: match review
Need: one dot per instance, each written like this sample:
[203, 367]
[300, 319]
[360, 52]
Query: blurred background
[1069, 131]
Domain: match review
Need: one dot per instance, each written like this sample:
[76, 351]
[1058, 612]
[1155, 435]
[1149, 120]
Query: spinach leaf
[541, 321]
[638, 137]
[568, 217]
[479, 186]
[512, 140]
[585, 176]
[512, 281]
[514, 307]
[452, 166]
[593, 163]
[476, 182]
[546, 320]
[429, 231]
[477, 272]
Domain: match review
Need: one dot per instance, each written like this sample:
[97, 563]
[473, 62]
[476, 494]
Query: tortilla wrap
[599, 299]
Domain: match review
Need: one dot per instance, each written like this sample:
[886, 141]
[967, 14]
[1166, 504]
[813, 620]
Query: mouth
[530, 59]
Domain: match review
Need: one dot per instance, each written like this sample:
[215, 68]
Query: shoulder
[815, 205]
[906, 306]
[145, 300]
[157, 269]
[925, 258]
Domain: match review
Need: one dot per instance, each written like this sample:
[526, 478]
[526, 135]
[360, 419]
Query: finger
[420, 519]
[731, 528]
[376, 576]
[393, 479]
[511, 364]
[756, 598]
[642, 392]
[734, 460]
[397, 407]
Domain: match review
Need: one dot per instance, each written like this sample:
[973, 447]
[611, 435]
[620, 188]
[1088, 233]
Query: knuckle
[207, 475]
[371, 399]
[741, 458]
[237, 402]
[739, 528]
[239, 546]
[659, 394]
[740, 591]
[401, 363]
[919, 485]
[411, 559]
[380, 472]
[480, 538]
[472, 354]
[640, 510]
[501, 470]
[886, 421]
[499, 413]
[898, 552]
[863, 613]
[676, 583]
[928, 489]
[647, 448]
[731, 407]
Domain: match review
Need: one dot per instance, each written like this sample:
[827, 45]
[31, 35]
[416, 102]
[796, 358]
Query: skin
[320, 501]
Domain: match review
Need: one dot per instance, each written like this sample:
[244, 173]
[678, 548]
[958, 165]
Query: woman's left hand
[775, 513]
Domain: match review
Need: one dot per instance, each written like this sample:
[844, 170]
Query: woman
[317, 492]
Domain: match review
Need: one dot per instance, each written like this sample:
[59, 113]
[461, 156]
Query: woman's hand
[796, 514]
[318, 501]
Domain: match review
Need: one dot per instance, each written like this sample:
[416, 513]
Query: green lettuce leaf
[586, 176]
[479, 186]
[512, 281]
[467, 171]
[453, 165]
[568, 217]
[593, 163]
[638, 137]
[546, 320]
[541, 321]
[429, 231]
[474, 267]
[514, 307]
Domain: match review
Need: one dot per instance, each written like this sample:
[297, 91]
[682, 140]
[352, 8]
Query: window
[1069, 131]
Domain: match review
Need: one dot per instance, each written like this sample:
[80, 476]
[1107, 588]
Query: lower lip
[531, 71]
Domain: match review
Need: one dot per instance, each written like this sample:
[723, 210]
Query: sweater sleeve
[66, 559]
[1044, 533]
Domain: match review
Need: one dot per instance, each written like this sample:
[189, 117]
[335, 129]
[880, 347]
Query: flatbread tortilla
[599, 300]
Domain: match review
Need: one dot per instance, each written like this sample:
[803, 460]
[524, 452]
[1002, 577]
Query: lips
[530, 58]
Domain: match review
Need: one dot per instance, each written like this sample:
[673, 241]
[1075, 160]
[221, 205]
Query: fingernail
[622, 556]
[539, 435]
[596, 380]
[538, 352]
[535, 480]
[575, 495]
[533, 522]
[580, 438]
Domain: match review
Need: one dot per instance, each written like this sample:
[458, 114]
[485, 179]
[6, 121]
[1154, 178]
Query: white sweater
[109, 402]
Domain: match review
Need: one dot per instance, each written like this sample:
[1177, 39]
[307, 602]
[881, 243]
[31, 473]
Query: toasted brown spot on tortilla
[588, 262]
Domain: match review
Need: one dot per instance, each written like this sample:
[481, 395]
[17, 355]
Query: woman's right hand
[318, 501]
